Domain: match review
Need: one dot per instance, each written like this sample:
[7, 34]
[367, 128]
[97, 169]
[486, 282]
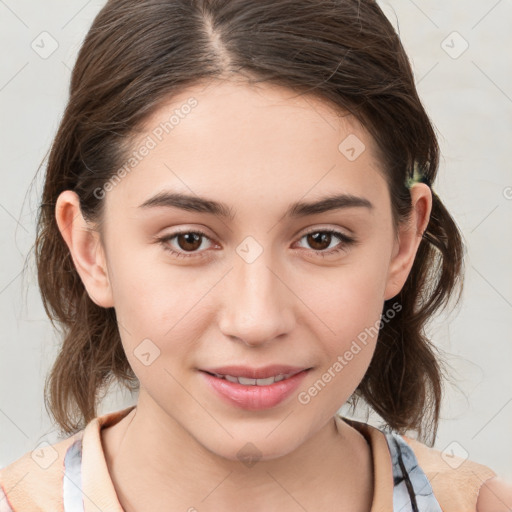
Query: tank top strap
[456, 480]
[72, 480]
[412, 491]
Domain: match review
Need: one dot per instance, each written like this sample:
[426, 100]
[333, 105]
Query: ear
[409, 238]
[85, 247]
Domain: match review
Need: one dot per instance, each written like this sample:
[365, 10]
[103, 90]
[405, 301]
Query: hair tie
[417, 177]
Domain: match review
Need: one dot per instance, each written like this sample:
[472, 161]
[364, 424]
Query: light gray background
[469, 98]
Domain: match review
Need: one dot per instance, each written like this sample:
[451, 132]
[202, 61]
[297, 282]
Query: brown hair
[138, 54]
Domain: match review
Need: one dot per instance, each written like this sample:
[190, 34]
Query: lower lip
[255, 398]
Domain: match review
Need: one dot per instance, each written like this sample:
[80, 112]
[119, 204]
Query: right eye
[320, 236]
[190, 241]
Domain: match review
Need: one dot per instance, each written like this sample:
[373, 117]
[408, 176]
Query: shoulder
[460, 483]
[495, 496]
[35, 481]
[49, 478]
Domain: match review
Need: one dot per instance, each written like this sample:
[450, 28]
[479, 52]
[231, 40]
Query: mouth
[254, 392]
[276, 371]
[247, 381]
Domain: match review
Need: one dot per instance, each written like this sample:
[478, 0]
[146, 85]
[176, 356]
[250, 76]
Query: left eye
[187, 241]
[320, 236]
[191, 242]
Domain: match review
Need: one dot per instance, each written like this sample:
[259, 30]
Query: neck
[331, 470]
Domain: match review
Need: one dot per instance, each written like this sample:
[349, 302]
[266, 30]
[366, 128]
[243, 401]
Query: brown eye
[189, 241]
[181, 243]
[320, 240]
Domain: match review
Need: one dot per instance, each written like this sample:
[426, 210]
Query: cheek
[143, 286]
[349, 304]
[159, 302]
[348, 298]
[347, 335]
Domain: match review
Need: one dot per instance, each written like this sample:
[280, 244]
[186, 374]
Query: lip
[255, 373]
[254, 398]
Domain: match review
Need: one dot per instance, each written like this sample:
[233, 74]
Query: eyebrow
[296, 210]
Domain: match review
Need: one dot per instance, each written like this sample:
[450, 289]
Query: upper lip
[256, 373]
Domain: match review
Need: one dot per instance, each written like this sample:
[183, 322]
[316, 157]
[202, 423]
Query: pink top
[72, 475]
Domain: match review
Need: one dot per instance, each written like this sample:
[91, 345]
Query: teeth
[253, 382]
[249, 382]
[264, 382]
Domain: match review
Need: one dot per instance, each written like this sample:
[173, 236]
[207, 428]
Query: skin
[257, 149]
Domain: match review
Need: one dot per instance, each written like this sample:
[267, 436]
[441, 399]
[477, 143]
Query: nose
[258, 302]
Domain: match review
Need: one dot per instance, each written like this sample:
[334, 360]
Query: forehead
[258, 143]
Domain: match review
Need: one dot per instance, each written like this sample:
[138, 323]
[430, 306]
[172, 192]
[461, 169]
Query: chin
[249, 449]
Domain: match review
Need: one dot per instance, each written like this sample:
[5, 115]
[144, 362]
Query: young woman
[238, 221]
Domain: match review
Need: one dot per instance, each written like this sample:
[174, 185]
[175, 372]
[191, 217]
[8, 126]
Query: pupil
[190, 239]
[318, 238]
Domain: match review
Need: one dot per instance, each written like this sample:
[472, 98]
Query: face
[262, 284]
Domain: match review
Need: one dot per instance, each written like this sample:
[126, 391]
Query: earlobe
[409, 239]
[85, 248]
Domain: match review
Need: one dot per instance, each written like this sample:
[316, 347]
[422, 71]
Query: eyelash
[346, 241]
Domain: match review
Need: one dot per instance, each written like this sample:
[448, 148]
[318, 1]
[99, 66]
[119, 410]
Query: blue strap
[412, 491]
[72, 481]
